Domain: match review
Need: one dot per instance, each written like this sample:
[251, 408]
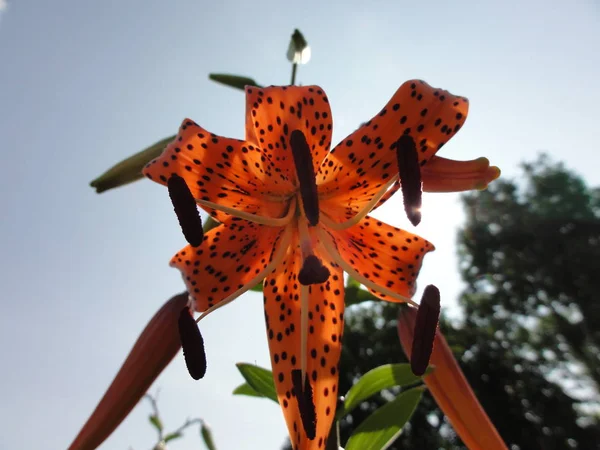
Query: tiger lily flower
[295, 215]
[451, 390]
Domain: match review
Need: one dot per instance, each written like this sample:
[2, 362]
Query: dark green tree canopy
[529, 341]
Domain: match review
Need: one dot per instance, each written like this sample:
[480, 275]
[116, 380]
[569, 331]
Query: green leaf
[130, 169]
[355, 294]
[382, 377]
[246, 389]
[234, 81]
[261, 380]
[257, 288]
[155, 420]
[382, 428]
[207, 437]
[172, 437]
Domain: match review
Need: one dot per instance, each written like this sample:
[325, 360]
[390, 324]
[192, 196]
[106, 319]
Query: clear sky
[85, 83]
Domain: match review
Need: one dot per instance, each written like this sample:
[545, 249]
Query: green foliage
[130, 169]
[156, 422]
[384, 426]
[261, 380]
[376, 380]
[530, 255]
[246, 389]
[234, 81]
[207, 437]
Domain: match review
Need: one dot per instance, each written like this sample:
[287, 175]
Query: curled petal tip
[152, 352]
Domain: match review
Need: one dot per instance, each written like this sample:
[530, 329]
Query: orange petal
[365, 160]
[388, 256]
[325, 326]
[451, 390]
[226, 171]
[230, 256]
[274, 112]
[154, 349]
[447, 175]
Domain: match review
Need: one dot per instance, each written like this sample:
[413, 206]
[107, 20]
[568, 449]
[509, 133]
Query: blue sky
[84, 84]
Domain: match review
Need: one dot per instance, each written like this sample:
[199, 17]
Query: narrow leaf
[382, 377]
[206, 434]
[155, 420]
[234, 81]
[172, 437]
[130, 169]
[246, 389]
[383, 427]
[261, 380]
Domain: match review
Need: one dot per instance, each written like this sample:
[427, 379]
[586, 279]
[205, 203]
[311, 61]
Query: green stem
[294, 67]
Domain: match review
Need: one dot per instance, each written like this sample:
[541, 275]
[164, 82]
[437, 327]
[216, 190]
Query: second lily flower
[295, 214]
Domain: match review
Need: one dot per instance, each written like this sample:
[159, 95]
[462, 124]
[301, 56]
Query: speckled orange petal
[359, 165]
[325, 326]
[386, 255]
[272, 113]
[448, 175]
[230, 256]
[226, 171]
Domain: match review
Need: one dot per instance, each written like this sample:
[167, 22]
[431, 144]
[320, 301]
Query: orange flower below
[451, 390]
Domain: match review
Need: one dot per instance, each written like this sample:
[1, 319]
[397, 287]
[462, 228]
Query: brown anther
[426, 323]
[306, 404]
[184, 205]
[409, 171]
[192, 344]
[313, 271]
[306, 176]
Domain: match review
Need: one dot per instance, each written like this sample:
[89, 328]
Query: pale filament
[306, 248]
[362, 213]
[329, 246]
[277, 258]
[261, 220]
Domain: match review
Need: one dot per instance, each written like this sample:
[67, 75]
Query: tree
[530, 255]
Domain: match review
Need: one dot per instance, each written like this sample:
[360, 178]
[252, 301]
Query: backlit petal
[325, 321]
[359, 165]
[226, 171]
[386, 255]
[272, 113]
[230, 256]
[447, 175]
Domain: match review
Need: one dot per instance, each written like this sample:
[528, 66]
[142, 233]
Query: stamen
[303, 328]
[306, 404]
[306, 176]
[363, 212]
[313, 271]
[410, 177]
[329, 247]
[192, 344]
[261, 220]
[425, 327]
[277, 258]
[184, 205]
